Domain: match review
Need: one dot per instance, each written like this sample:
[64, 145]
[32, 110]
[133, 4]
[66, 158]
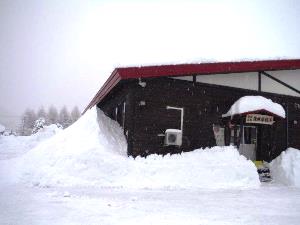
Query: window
[116, 113]
[250, 135]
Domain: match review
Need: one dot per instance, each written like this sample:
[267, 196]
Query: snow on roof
[2, 128]
[255, 103]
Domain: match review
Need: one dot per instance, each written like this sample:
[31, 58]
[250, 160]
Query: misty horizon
[61, 52]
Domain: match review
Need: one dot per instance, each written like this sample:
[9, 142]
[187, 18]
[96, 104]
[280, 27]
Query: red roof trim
[106, 88]
[190, 69]
[207, 68]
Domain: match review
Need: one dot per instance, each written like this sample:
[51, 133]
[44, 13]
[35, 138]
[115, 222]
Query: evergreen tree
[52, 116]
[38, 125]
[75, 114]
[64, 117]
[42, 113]
[28, 119]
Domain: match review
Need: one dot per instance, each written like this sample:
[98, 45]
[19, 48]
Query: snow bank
[255, 103]
[12, 146]
[46, 132]
[76, 156]
[217, 167]
[2, 128]
[93, 151]
[285, 168]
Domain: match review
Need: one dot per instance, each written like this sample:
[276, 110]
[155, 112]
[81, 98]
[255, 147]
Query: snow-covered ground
[13, 146]
[83, 176]
[276, 205]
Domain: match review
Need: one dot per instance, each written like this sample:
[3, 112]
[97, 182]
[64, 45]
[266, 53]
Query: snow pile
[217, 167]
[46, 132]
[12, 146]
[285, 168]
[93, 151]
[2, 128]
[85, 153]
[255, 103]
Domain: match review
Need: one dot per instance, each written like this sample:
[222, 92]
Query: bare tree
[28, 119]
[64, 117]
[52, 116]
[75, 114]
[41, 113]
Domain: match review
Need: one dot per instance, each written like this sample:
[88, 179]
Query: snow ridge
[285, 169]
[93, 152]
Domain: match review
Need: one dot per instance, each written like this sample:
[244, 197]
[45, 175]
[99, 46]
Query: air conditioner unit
[173, 137]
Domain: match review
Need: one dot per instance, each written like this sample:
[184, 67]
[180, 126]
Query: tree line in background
[32, 120]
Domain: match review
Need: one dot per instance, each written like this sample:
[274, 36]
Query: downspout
[259, 81]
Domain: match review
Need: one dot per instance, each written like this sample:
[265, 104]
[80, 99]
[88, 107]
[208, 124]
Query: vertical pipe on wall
[259, 81]
[194, 79]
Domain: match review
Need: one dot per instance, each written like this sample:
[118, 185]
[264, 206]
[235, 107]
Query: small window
[116, 113]
[120, 111]
[250, 135]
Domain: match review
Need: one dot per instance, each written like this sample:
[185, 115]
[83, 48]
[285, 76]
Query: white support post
[124, 114]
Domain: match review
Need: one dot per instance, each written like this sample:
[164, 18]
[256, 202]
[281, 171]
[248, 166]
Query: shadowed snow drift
[93, 152]
[285, 169]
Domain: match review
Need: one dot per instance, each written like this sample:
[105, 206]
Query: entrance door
[249, 142]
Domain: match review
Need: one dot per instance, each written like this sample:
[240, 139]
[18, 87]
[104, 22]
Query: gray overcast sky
[61, 52]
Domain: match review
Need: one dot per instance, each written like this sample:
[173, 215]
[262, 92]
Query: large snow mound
[255, 103]
[285, 168]
[93, 151]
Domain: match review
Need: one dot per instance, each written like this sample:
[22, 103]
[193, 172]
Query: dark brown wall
[203, 106]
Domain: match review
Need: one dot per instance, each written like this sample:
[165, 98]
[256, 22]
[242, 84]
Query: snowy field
[82, 176]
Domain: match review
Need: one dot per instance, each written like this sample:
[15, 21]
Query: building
[175, 108]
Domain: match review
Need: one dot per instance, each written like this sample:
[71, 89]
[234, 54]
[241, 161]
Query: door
[248, 144]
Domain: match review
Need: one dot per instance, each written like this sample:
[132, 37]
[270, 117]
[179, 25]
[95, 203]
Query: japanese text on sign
[260, 119]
